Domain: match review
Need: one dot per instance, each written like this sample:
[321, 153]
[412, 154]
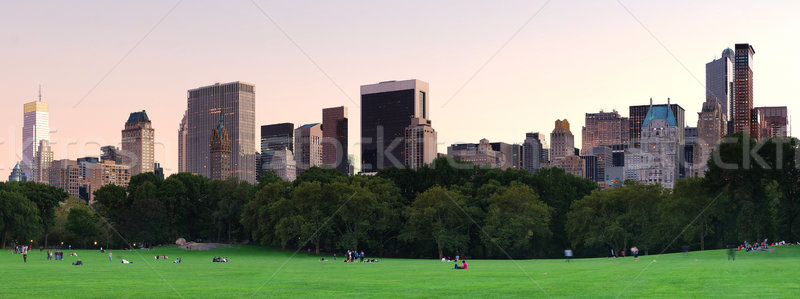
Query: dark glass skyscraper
[236, 100]
[742, 115]
[274, 138]
[386, 111]
[334, 133]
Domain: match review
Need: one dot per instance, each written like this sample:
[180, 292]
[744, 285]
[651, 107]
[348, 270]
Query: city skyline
[520, 101]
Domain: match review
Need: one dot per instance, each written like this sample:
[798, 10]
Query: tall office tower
[274, 139]
[334, 144]
[591, 168]
[36, 128]
[420, 143]
[220, 152]
[658, 159]
[532, 151]
[688, 163]
[711, 127]
[183, 131]
[138, 142]
[44, 156]
[719, 80]
[282, 164]
[480, 154]
[64, 174]
[386, 110]
[111, 153]
[308, 147]
[562, 142]
[772, 121]
[604, 129]
[742, 115]
[236, 100]
[17, 175]
[637, 118]
[605, 161]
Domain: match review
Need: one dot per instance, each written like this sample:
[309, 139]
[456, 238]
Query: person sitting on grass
[464, 265]
[177, 261]
[77, 263]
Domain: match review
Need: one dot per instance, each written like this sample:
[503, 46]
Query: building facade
[335, 142]
[36, 127]
[220, 152]
[742, 115]
[481, 154]
[276, 138]
[604, 129]
[711, 127]
[637, 117]
[511, 154]
[658, 158]
[772, 122]
[183, 131]
[308, 147]
[138, 143]
[282, 163]
[420, 143]
[17, 175]
[387, 109]
[99, 174]
[64, 174]
[562, 142]
[533, 151]
[719, 80]
[44, 157]
[236, 101]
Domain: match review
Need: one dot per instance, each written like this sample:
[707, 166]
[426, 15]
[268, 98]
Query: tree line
[445, 209]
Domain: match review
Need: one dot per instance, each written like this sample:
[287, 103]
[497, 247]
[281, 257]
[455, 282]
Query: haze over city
[495, 71]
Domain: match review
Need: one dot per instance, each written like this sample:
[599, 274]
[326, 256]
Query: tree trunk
[316, 245]
[440, 250]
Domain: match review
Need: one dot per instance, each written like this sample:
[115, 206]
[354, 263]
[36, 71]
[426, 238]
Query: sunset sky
[98, 61]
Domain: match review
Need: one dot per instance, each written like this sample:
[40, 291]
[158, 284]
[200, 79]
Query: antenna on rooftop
[40, 92]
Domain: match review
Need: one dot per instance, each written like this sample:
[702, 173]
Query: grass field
[268, 273]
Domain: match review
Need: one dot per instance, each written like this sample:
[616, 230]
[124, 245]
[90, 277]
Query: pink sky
[574, 57]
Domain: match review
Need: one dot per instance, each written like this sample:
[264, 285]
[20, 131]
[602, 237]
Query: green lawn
[698, 274]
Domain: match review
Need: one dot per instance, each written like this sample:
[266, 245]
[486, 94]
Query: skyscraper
[138, 142]
[334, 133]
[604, 129]
[220, 152]
[64, 174]
[743, 90]
[183, 131]
[711, 127]
[308, 147]
[17, 175]
[562, 142]
[719, 79]
[532, 150]
[36, 127]
[637, 115]
[44, 156]
[236, 100]
[386, 111]
[274, 139]
[420, 143]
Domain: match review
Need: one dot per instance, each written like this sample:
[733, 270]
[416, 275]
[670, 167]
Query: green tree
[46, 198]
[515, 219]
[257, 216]
[19, 217]
[315, 209]
[436, 216]
[82, 224]
[172, 194]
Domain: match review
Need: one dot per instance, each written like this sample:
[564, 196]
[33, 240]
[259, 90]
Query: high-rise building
[742, 116]
[604, 129]
[480, 154]
[334, 133]
[111, 153]
[276, 138]
[605, 161]
[64, 174]
[689, 148]
[85, 164]
[36, 127]
[562, 142]
[220, 152]
[387, 109]
[772, 121]
[511, 154]
[183, 135]
[44, 156]
[532, 151]
[282, 163]
[637, 117]
[17, 175]
[591, 168]
[138, 143]
[572, 164]
[308, 147]
[711, 127]
[420, 143]
[235, 100]
[658, 158]
[719, 80]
